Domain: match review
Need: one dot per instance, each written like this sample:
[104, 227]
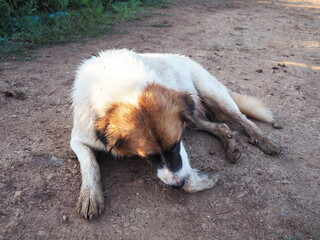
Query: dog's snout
[179, 183]
[176, 180]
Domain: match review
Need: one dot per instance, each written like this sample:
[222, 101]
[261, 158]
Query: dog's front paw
[267, 145]
[90, 203]
[200, 180]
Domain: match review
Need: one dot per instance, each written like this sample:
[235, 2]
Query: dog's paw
[200, 180]
[267, 145]
[90, 203]
[233, 149]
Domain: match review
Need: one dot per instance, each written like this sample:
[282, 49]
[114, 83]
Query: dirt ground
[268, 49]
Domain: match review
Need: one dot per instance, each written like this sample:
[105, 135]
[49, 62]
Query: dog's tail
[253, 108]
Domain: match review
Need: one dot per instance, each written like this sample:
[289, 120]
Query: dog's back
[121, 75]
[112, 76]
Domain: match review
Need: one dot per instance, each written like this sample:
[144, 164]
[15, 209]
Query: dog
[131, 104]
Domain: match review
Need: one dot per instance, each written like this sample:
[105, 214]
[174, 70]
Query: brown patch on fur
[155, 125]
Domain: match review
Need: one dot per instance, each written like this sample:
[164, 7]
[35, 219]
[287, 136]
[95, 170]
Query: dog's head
[151, 129]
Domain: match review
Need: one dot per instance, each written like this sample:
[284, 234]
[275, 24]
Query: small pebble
[285, 181]
[20, 95]
[259, 71]
[211, 152]
[64, 217]
[281, 65]
[17, 194]
[283, 213]
[259, 171]
[8, 94]
[276, 126]
[16, 94]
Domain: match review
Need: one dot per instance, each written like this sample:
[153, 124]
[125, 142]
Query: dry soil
[269, 49]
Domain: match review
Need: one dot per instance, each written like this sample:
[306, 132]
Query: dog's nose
[178, 184]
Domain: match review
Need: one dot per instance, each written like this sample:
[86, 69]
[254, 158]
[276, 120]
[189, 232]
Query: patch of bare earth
[268, 49]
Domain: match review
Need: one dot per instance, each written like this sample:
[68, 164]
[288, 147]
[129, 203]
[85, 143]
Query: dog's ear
[109, 139]
[187, 109]
[109, 136]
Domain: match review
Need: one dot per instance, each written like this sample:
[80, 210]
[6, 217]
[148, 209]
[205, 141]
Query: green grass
[27, 25]
[308, 233]
[125, 11]
[294, 237]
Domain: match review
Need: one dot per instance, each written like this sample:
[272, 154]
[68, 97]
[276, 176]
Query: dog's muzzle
[175, 180]
[178, 184]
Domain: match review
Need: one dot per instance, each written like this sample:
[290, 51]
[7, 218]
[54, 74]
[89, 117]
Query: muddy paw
[233, 152]
[267, 145]
[90, 204]
[200, 180]
[232, 148]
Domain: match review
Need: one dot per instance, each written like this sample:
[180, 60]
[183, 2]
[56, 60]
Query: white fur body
[120, 76]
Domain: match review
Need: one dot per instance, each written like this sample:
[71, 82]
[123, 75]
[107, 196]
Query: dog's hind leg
[230, 110]
[216, 96]
[257, 138]
[91, 200]
[225, 135]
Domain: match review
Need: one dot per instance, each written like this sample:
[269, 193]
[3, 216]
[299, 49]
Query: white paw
[90, 203]
[200, 180]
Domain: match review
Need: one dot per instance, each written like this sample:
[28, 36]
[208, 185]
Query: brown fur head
[153, 126]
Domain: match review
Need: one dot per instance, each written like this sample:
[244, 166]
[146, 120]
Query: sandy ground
[268, 49]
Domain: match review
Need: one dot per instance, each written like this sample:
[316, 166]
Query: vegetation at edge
[28, 24]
